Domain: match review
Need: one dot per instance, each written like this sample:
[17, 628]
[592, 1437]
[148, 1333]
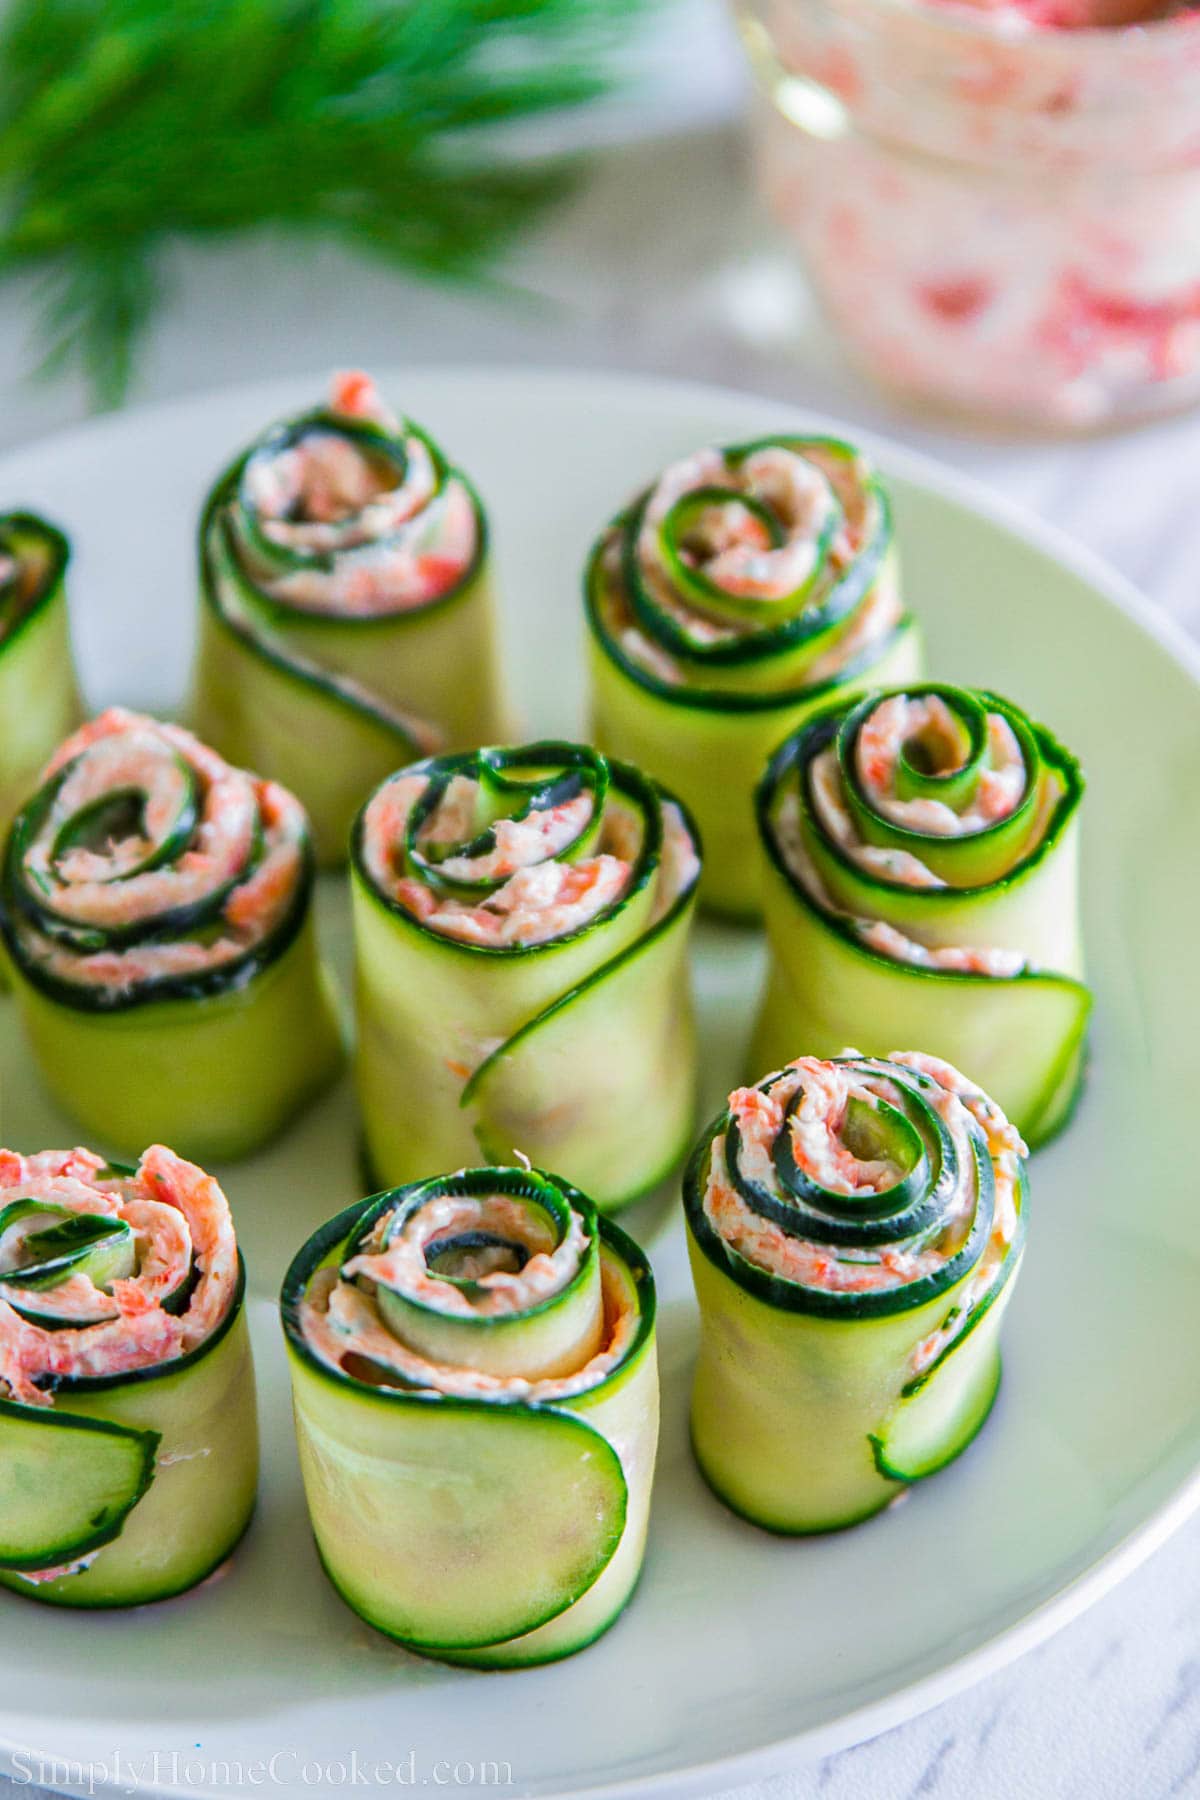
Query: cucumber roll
[521, 921]
[855, 1228]
[921, 883]
[476, 1398]
[39, 696]
[156, 908]
[128, 1435]
[347, 622]
[745, 587]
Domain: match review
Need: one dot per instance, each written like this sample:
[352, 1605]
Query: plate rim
[924, 470]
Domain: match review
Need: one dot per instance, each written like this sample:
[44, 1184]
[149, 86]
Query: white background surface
[663, 264]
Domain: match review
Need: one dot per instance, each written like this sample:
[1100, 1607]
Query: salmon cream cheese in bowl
[128, 1435]
[476, 1399]
[347, 620]
[855, 1228]
[521, 919]
[744, 587]
[156, 909]
[920, 866]
[998, 204]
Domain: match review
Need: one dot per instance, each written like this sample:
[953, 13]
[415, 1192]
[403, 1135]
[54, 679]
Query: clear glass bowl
[1004, 222]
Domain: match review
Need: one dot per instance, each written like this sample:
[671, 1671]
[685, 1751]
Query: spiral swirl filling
[145, 865]
[350, 512]
[492, 1283]
[740, 555]
[866, 1177]
[932, 791]
[106, 1271]
[506, 848]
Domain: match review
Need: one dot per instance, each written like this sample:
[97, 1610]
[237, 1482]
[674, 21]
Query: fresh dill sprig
[128, 124]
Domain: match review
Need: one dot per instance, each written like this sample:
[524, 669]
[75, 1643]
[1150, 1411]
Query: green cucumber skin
[564, 1068]
[76, 1441]
[439, 662]
[345, 1432]
[201, 1498]
[215, 1077]
[39, 694]
[1022, 1037]
[709, 746]
[567, 1052]
[789, 1407]
[992, 1374]
[55, 1594]
[779, 1528]
[712, 757]
[595, 1611]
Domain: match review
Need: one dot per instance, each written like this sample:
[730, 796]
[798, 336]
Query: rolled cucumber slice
[198, 1415]
[935, 1423]
[323, 697]
[478, 1477]
[529, 1505]
[468, 1045]
[156, 905]
[986, 973]
[67, 1484]
[39, 693]
[696, 677]
[820, 1392]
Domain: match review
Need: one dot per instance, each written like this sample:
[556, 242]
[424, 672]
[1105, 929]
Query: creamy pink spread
[180, 1222]
[365, 533]
[825, 512]
[998, 203]
[821, 1150]
[250, 839]
[539, 898]
[341, 1321]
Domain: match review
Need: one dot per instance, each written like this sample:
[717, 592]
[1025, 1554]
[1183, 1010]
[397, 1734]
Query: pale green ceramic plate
[739, 1651]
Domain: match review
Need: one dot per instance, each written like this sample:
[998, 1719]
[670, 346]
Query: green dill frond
[127, 124]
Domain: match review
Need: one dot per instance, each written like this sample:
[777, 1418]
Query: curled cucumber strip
[474, 1377]
[521, 921]
[855, 1227]
[920, 868]
[749, 585]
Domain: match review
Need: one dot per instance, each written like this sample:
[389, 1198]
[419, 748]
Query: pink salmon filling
[808, 493]
[341, 1322]
[541, 899]
[403, 1264]
[370, 545]
[102, 888]
[820, 1149]
[180, 1221]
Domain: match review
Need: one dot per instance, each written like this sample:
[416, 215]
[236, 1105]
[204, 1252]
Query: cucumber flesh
[515, 1097]
[935, 1423]
[67, 1483]
[509, 1517]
